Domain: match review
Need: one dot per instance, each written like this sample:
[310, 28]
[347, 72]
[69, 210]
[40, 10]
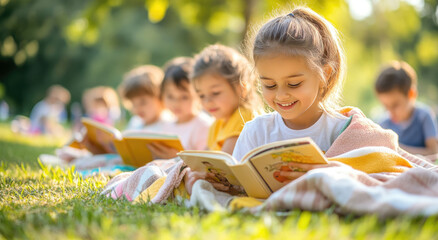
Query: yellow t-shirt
[221, 130]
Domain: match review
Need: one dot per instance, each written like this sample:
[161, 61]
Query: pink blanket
[362, 132]
[347, 188]
[414, 193]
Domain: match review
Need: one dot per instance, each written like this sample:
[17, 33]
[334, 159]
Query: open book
[130, 144]
[258, 172]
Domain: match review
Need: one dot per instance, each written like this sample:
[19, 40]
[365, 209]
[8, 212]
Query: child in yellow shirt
[225, 84]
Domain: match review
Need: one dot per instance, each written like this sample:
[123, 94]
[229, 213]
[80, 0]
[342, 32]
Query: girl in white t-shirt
[191, 124]
[300, 63]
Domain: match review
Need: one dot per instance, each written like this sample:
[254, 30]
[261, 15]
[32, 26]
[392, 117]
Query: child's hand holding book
[95, 149]
[294, 170]
[191, 177]
[219, 184]
[161, 151]
[261, 171]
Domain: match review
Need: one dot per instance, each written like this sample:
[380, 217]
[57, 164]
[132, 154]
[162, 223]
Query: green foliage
[81, 44]
[394, 31]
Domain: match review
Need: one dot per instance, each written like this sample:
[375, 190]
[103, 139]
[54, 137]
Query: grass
[37, 202]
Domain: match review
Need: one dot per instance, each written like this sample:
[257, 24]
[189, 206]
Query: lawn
[49, 203]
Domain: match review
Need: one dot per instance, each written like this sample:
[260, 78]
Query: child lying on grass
[300, 64]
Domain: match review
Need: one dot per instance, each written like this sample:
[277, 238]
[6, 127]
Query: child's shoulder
[423, 112]
[423, 109]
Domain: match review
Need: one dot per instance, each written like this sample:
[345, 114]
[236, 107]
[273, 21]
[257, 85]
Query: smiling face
[183, 103]
[217, 95]
[291, 88]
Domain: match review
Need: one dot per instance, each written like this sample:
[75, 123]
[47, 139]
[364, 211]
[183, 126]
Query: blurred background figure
[79, 50]
[102, 104]
[415, 124]
[140, 91]
[47, 115]
[4, 110]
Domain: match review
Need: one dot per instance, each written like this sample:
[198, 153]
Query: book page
[214, 164]
[251, 181]
[147, 134]
[269, 163]
[278, 144]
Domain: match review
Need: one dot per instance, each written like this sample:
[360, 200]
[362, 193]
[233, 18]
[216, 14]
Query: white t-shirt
[193, 134]
[270, 128]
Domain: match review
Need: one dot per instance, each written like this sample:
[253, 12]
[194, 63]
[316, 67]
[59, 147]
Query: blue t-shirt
[421, 126]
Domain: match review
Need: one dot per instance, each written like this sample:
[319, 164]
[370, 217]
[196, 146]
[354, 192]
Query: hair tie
[291, 15]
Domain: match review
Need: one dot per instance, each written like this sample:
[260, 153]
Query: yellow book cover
[102, 136]
[131, 145]
[74, 144]
[258, 171]
[136, 143]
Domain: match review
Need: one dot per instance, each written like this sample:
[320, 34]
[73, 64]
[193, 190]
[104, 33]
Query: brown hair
[100, 94]
[305, 33]
[398, 75]
[59, 93]
[177, 71]
[231, 65]
[143, 80]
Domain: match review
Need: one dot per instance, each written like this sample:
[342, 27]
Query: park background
[83, 43]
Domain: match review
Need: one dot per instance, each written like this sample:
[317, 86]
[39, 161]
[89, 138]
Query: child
[46, 115]
[4, 110]
[102, 104]
[300, 63]
[416, 126]
[224, 82]
[191, 125]
[140, 90]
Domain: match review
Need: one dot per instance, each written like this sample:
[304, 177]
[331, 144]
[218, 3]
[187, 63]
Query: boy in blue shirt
[416, 126]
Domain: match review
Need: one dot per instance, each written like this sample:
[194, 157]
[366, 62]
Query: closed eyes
[290, 85]
[295, 85]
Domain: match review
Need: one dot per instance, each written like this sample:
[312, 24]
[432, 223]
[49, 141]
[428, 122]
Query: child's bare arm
[191, 176]
[81, 137]
[430, 149]
[299, 169]
[229, 144]
[161, 151]
[90, 146]
[228, 147]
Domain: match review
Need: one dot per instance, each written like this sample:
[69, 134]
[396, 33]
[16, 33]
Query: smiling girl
[300, 63]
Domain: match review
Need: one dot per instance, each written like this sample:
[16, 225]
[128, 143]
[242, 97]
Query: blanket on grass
[412, 193]
[373, 156]
[87, 165]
